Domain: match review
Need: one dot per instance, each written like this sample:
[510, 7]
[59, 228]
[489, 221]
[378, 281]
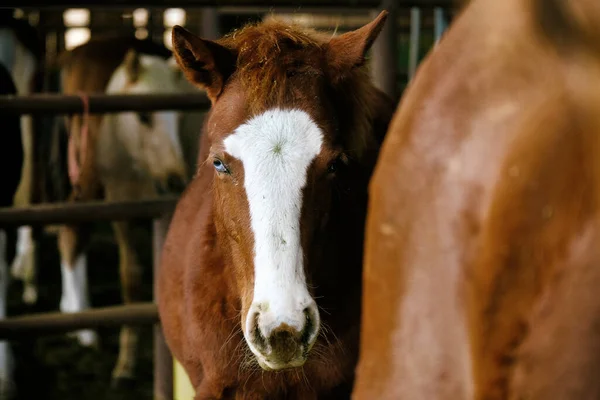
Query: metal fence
[384, 72]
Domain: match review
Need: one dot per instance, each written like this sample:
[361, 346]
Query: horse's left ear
[205, 63]
[132, 65]
[348, 51]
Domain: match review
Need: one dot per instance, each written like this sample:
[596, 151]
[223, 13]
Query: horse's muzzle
[287, 345]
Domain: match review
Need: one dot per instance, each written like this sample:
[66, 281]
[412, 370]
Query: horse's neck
[21, 64]
[18, 60]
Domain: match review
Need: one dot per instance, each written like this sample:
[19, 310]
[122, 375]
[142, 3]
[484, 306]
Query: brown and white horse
[20, 57]
[11, 161]
[482, 262]
[260, 280]
[21, 52]
[117, 157]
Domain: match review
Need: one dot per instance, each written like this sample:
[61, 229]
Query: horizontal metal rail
[332, 11]
[65, 213]
[58, 322]
[191, 3]
[101, 103]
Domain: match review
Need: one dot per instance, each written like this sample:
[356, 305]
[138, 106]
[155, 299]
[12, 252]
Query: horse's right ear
[205, 63]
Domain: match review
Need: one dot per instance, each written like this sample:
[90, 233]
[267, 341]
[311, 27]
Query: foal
[260, 281]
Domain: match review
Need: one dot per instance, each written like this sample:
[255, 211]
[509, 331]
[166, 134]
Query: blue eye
[219, 166]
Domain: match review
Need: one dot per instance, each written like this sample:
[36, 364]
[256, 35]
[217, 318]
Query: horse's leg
[6, 360]
[72, 239]
[73, 267]
[23, 266]
[24, 263]
[131, 272]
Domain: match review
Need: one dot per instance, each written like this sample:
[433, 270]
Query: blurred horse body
[21, 54]
[482, 262]
[117, 157]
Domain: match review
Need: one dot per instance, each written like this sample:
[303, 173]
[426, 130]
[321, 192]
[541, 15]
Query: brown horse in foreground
[260, 281]
[482, 254]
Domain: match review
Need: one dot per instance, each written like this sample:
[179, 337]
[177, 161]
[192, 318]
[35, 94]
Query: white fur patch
[276, 149]
[6, 358]
[23, 266]
[75, 294]
[4, 276]
[157, 76]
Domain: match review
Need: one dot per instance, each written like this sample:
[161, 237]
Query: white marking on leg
[24, 244]
[23, 266]
[6, 360]
[276, 149]
[126, 361]
[4, 277]
[75, 294]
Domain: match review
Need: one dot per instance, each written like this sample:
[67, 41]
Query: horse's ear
[205, 63]
[348, 50]
[132, 65]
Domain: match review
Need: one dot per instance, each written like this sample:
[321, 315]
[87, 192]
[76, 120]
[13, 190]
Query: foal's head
[290, 117]
[150, 138]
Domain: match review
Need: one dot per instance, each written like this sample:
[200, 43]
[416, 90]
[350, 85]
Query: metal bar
[58, 322]
[257, 10]
[65, 213]
[163, 361]
[415, 31]
[210, 28]
[227, 6]
[439, 23]
[384, 52]
[423, 4]
[188, 3]
[101, 103]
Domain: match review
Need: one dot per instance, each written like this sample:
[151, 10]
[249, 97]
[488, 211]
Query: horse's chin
[270, 366]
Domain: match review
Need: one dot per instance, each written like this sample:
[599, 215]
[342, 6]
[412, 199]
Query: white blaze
[276, 149]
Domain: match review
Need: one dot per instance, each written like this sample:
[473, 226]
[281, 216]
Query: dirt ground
[57, 367]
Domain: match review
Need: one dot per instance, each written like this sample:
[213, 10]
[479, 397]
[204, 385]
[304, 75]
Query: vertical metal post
[210, 28]
[385, 52]
[163, 361]
[439, 23]
[415, 32]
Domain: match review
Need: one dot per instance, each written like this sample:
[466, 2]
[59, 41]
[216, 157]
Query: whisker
[235, 330]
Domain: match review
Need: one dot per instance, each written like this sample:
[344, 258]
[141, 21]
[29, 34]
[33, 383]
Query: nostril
[311, 325]
[258, 338]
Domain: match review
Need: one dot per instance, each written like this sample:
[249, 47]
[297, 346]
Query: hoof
[122, 383]
[86, 338]
[8, 389]
[30, 295]
[17, 270]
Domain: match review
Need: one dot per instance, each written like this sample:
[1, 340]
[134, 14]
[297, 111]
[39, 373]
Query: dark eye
[145, 118]
[219, 166]
[335, 166]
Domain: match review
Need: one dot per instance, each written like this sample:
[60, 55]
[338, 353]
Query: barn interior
[49, 362]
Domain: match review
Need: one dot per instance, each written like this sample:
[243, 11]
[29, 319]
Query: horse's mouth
[267, 365]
